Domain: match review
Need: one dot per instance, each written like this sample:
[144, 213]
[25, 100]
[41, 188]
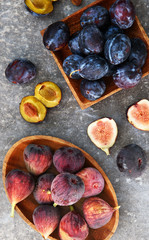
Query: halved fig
[32, 110]
[103, 133]
[138, 115]
[39, 7]
[48, 93]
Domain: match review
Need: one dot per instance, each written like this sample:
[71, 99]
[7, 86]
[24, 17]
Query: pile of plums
[72, 182]
[101, 48]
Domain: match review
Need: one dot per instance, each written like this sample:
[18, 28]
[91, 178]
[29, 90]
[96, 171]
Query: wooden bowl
[73, 22]
[14, 160]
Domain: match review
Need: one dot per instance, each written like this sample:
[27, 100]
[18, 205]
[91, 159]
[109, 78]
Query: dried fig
[138, 115]
[103, 133]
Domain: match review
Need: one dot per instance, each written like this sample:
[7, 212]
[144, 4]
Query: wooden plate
[73, 22]
[14, 160]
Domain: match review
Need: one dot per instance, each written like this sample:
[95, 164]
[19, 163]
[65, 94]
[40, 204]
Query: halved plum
[32, 110]
[138, 115]
[39, 7]
[48, 93]
[103, 133]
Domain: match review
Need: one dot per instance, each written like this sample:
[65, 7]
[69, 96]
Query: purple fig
[19, 185]
[93, 181]
[68, 159]
[42, 191]
[67, 189]
[97, 212]
[73, 227]
[37, 158]
[46, 219]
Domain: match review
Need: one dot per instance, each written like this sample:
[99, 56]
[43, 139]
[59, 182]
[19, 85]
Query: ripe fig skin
[93, 181]
[97, 212]
[46, 219]
[68, 159]
[131, 160]
[138, 115]
[67, 189]
[37, 158]
[42, 191]
[19, 185]
[73, 227]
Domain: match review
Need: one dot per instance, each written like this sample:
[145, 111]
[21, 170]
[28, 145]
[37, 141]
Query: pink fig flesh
[103, 133]
[67, 189]
[19, 185]
[37, 158]
[42, 191]
[93, 181]
[73, 227]
[138, 115]
[68, 159]
[46, 219]
[97, 212]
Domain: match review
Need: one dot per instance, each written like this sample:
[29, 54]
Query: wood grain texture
[14, 160]
[73, 22]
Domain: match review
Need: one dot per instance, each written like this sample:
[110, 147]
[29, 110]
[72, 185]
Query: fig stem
[116, 208]
[71, 208]
[12, 210]
[55, 204]
[106, 150]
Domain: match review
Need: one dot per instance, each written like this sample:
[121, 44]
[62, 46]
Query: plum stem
[55, 204]
[71, 208]
[116, 208]
[12, 210]
[70, 75]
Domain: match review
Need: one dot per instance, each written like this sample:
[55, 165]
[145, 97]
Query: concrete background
[20, 37]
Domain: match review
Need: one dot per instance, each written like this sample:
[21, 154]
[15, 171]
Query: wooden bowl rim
[87, 156]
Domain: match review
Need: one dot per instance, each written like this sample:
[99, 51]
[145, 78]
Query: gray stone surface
[20, 37]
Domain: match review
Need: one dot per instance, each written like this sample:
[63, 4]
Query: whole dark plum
[67, 189]
[138, 52]
[122, 13]
[73, 44]
[95, 15]
[117, 48]
[68, 159]
[56, 36]
[20, 71]
[111, 30]
[91, 40]
[92, 90]
[93, 67]
[112, 70]
[71, 65]
[127, 76]
[131, 160]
